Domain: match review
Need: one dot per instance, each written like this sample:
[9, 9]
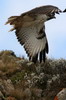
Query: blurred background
[55, 29]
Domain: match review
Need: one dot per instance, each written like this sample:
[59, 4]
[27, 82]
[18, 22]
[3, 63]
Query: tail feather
[14, 20]
[11, 19]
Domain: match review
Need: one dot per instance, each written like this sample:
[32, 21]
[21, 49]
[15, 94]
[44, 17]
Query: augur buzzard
[30, 30]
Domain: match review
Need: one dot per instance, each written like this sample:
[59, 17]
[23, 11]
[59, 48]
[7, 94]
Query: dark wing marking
[42, 56]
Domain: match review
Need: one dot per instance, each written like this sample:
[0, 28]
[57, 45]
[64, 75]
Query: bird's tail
[12, 21]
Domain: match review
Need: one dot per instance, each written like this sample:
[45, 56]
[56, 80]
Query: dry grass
[10, 98]
[20, 94]
[8, 62]
[8, 68]
[17, 93]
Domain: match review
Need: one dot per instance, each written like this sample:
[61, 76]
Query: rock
[10, 98]
[61, 95]
[0, 98]
[1, 74]
[22, 61]
[27, 92]
[29, 63]
[2, 89]
[1, 95]
[7, 52]
[38, 69]
[37, 92]
[8, 86]
[55, 77]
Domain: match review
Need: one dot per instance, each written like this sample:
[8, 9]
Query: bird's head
[51, 11]
[45, 12]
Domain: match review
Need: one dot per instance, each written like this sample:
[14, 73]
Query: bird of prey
[30, 30]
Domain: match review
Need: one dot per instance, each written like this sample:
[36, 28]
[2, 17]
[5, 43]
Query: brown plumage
[30, 30]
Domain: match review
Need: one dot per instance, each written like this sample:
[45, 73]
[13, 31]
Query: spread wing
[31, 35]
[34, 40]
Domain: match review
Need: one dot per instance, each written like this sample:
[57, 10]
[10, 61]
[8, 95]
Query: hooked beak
[52, 14]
